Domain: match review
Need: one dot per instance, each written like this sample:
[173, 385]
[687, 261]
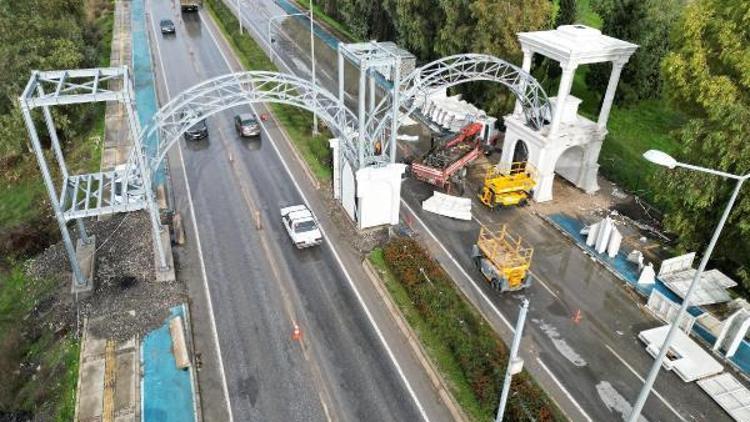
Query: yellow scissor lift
[508, 187]
[503, 259]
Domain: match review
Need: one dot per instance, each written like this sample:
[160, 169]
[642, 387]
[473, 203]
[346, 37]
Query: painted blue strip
[167, 390]
[143, 80]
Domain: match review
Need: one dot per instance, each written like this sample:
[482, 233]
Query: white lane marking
[214, 331]
[335, 253]
[488, 301]
[560, 344]
[615, 401]
[656, 393]
[564, 390]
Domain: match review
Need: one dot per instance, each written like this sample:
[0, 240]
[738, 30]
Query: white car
[301, 225]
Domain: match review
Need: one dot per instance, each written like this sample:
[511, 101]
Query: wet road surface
[260, 284]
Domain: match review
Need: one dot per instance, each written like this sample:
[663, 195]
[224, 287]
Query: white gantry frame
[455, 70]
[91, 194]
[129, 187]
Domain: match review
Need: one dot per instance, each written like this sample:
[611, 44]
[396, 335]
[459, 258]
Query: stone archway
[520, 151]
[570, 163]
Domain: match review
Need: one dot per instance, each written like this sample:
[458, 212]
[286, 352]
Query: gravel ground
[126, 300]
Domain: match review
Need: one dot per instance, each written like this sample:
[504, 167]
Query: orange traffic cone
[577, 317]
[296, 333]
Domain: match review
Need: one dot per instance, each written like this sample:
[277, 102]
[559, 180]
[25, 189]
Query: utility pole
[515, 364]
[239, 16]
[312, 57]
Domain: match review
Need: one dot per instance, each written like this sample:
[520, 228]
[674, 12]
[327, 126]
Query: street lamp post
[663, 159]
[239, 16]
[515, 364]
[312, 58]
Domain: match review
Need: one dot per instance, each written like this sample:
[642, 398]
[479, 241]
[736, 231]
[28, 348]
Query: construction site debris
[448, 205]
[125, 301]
[648, 275]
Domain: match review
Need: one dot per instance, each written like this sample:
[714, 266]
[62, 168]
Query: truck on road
[190, 5]
[443, 161]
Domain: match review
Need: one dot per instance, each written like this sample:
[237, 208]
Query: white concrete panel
[730, 394]
[449, 206]
[666, 310]
[605, 231]
[685, 357]
[678, 263]
[378, 193]
[615, 239]
[648, 275]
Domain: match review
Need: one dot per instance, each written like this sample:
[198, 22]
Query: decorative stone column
[609, 96]
[528, 55]
[566, 82]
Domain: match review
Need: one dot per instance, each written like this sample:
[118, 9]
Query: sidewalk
[116, 140]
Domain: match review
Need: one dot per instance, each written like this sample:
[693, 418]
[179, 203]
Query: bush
[475, 348]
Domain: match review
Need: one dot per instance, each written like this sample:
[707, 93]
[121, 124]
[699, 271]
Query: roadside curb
[437, 381]
[308, 172]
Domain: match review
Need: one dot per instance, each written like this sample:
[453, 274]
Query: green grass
[296, 121]
[437, 350]
[17, 202]
[632, 131]
[51, 391]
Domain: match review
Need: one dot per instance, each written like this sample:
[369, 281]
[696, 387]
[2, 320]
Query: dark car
[167, 26]
[196, 132]
[246, 125]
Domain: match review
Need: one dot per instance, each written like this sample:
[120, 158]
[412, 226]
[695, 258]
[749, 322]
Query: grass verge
[470, 356]
[632, 131]
[40, 366]
[38, 355]
[297, 122]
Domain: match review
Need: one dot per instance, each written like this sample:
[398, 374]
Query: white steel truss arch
[227, 91]
[455, 70]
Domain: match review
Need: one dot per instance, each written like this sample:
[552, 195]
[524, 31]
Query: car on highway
[166, 26]
[247, 125]
[301, 225]
[197, 131]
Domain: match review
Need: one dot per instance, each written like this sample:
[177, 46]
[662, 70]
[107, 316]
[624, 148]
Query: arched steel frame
[455, 70]
[227, 91]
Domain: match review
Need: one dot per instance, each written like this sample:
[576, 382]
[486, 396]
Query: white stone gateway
[570, 144]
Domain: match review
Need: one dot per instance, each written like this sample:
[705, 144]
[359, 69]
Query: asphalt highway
[593, 368]
[260, 285]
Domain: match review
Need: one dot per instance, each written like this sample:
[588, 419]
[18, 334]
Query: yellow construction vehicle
[503, 259]
[507, 187]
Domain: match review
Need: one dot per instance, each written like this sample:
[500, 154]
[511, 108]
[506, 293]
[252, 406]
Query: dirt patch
[126, 300]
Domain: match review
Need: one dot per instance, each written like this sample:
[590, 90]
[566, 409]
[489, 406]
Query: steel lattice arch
[455, 70]
[227, 91]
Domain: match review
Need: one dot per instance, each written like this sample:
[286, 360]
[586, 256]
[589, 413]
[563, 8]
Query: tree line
[44, 35]
[695, 55]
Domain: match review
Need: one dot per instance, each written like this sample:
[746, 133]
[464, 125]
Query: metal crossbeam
[72, 86]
